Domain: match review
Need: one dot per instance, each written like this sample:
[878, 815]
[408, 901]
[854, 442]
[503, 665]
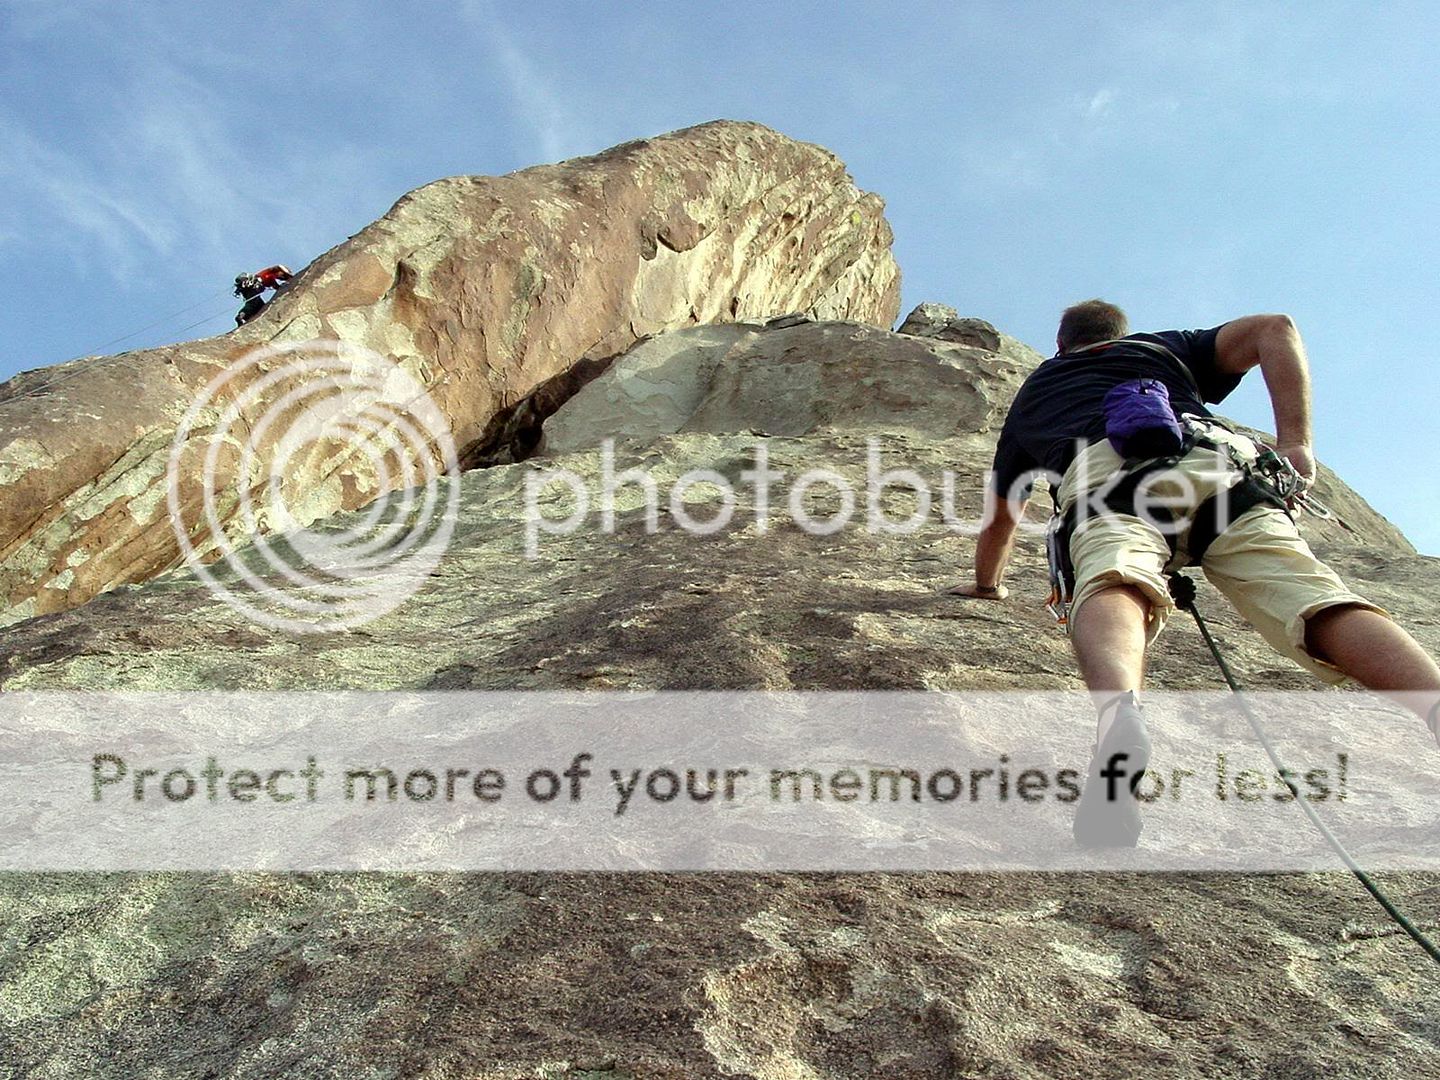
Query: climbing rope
[1183, 590]
[51, 384]
[164, 319]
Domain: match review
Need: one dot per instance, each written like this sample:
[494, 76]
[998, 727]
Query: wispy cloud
[1100, 102]
[145, 178]
[48, 186]
[535, 100]
[165, 174]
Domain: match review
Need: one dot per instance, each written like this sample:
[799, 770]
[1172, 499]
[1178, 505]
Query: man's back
[1060, 404]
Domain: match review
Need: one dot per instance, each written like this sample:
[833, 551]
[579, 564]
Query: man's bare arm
[1272, 343]
[992, 548]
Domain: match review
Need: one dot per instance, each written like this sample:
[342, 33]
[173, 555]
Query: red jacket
[272, 276]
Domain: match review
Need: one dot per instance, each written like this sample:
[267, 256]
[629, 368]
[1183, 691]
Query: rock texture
[482, 288]
[792, 380]
[778, 977]
[940, 321]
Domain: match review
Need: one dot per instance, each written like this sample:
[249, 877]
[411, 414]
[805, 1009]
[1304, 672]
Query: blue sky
[1190, 161]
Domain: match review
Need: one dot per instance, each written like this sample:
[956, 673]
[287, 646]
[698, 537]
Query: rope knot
[1182, 589]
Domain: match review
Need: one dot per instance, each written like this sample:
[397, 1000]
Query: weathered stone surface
[941, 321]
[482, 288]
[704, 976]
[794, 380]
[793, 318]
[772, 976]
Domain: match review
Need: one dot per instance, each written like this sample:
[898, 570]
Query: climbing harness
[1183, 591]
[248, 285]
[1266, 479]
[1280, 476]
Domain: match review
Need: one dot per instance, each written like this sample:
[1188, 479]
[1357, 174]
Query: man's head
[1089, 322]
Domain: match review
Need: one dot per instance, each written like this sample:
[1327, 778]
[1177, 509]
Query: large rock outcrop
[778, 977]
[481, 288]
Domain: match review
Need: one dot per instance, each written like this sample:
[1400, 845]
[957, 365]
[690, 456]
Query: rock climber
[251, 288]
[1198, 499]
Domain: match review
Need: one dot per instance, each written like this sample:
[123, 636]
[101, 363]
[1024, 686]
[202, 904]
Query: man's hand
[978, 592]
[992, 548]
[1302, 459]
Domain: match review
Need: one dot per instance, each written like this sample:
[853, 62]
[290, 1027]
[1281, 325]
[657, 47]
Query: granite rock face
[811, 977]
[481, 289]
[793, 381]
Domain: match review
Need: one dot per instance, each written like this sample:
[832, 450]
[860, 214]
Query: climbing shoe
[1109, 813]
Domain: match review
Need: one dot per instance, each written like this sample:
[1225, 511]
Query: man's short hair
[1089, 322]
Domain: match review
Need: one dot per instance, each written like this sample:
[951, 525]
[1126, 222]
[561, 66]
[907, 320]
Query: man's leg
[1109, 635]
[1109, 638]
[252, 307]
[1378, 654]
[1273, 578]
[1373, 650]
[1121, 602]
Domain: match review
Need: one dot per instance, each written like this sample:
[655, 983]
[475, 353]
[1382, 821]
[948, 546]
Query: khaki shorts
[1260, 562]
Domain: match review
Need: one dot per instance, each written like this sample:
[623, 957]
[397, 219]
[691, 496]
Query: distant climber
[251, 288]
[1145, 481]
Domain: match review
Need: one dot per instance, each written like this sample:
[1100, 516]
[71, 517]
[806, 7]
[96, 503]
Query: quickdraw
[1294, 488]
[1062, 573]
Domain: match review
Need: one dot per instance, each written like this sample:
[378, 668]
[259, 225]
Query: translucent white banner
[695, 781]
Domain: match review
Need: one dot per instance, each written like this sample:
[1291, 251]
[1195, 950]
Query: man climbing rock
[251, 288]
[1186, 490]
